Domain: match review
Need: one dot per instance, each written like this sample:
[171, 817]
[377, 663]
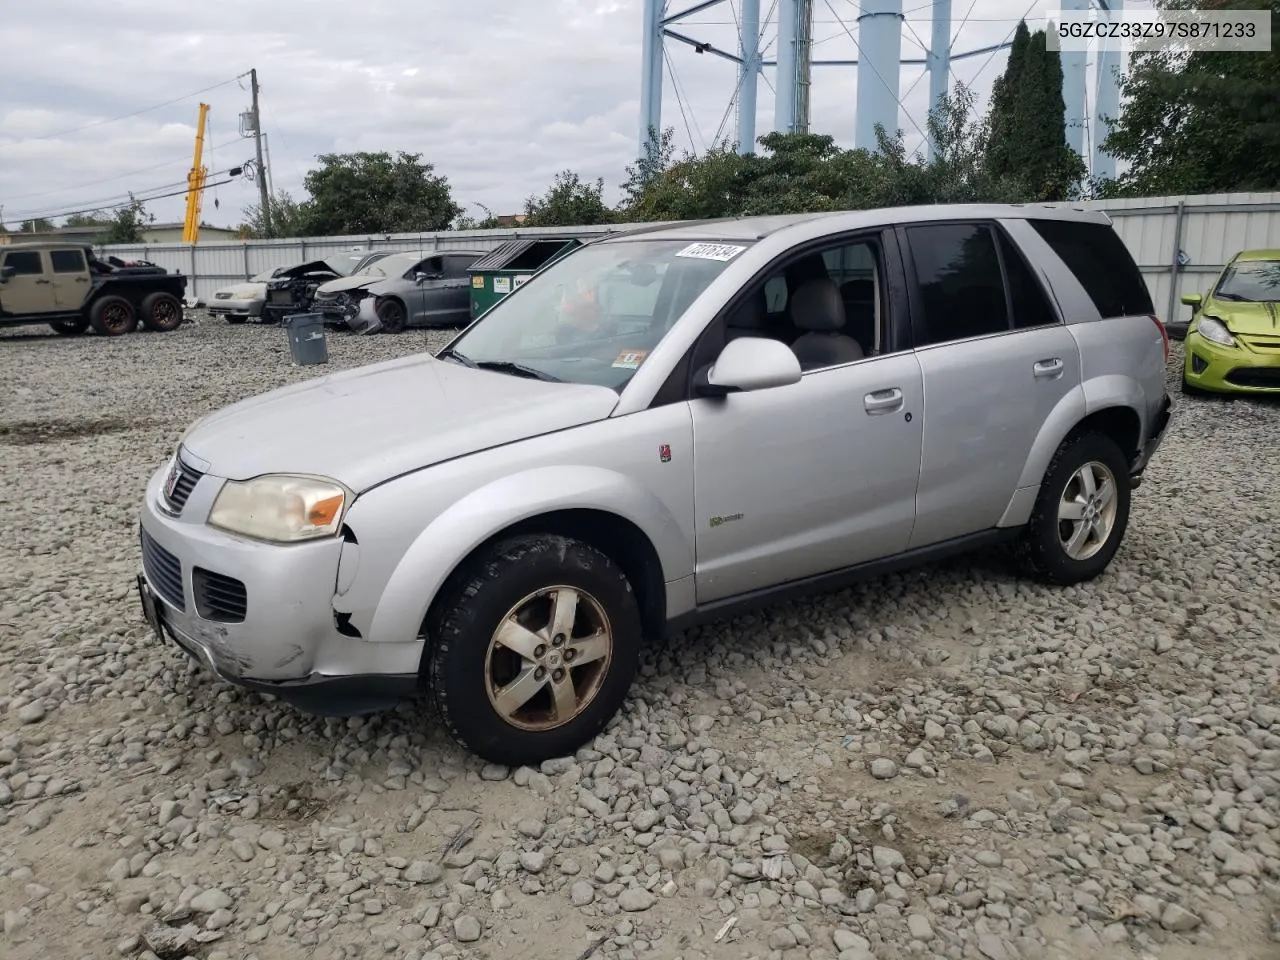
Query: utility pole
[263, 188]
[805, 57]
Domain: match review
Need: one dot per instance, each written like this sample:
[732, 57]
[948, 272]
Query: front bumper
[1251, 367]
[236, 308]
[278, 634]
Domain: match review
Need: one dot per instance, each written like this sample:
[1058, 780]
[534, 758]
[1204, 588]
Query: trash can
[509, 266]
[306, 338]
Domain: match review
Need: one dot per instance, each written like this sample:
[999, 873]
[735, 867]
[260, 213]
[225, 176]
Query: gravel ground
[953, 762]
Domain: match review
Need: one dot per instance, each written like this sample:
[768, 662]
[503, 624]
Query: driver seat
[818, 309]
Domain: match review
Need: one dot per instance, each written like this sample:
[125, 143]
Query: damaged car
[294, 288]
[402, 290]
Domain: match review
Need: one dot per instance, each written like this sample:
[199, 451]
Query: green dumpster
[506, 268]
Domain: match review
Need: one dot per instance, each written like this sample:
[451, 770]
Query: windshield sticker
[501, 284]
[711, 251]
[630, 359]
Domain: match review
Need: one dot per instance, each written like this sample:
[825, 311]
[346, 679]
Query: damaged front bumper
[260, 615]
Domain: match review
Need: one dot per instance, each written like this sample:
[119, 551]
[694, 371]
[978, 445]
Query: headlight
[282, 509]
[1211, 328]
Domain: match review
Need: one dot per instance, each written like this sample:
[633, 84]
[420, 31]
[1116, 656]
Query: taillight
[1164, 334]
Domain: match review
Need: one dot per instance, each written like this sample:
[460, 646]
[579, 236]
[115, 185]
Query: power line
[123, 116]
[124, 202]
[119, 176]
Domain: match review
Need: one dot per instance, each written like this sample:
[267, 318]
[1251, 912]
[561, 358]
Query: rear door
[456, 289]
[30, 288]
[70, 275]
[422, 295]
[996, 359]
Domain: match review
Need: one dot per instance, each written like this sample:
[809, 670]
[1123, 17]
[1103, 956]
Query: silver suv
[671, 424]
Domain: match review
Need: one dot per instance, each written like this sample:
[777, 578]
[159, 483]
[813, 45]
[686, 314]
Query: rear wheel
[161, 312]
[70, 328]
[234, 318]
[534, 650]
[392, 315]
[113, 316]
[1081, 512]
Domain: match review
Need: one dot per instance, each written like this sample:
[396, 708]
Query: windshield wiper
[463, 359]
[519, 369]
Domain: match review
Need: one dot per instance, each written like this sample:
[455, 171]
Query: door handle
[44, 281]
[883, 401]
[82, 279]
[1048, 368]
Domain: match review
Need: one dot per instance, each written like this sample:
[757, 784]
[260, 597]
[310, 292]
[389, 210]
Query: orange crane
[195, 183]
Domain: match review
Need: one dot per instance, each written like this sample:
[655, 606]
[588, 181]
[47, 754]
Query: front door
[29, 289]
[807, 478]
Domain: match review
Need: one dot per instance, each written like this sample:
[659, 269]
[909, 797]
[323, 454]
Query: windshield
[1251, 281]
[345, 263]
[264, 276]
[595, 315]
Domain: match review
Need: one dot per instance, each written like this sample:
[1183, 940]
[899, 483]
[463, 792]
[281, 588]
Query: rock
[887, 860]
[933, 730]
[581, 893]
[919, 927]
[992, 947]
[32, 712]
[423, 871]
[636, 900]
[533, 862]
[782, 939]
[882, 768]
[466, 928]
[848, 940]
[1178, 919]
[494, 772]
[210, 900]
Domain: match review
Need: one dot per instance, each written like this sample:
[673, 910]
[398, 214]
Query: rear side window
[67, 261]
[961, 286]
[24, 262]
[1031, 307]
[1099, 259]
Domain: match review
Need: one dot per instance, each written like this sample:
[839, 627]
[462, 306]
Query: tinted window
[1100, 261]
[67, 261]
[24, 262]
[1031, 306]
[457, 266]
[961, 287]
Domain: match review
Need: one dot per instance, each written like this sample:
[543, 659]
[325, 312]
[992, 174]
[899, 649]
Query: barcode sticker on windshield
[711, 251]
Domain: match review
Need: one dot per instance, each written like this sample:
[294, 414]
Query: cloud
[497, 95]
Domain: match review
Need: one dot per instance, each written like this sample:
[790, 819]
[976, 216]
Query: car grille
[219, 598]
[1256, 377]
[1261, 342]
[187, 480]
[222, 296]
[281, 296]
[163, 570]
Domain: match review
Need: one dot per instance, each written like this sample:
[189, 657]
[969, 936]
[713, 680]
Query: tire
[467, 667]
[233, 319]
[113, 316]
[70, 328]
[161, 312]
[392, 315]
[1044, 547]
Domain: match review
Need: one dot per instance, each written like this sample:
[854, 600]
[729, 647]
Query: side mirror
[6, 272]
[1192, 300]
[746, 364]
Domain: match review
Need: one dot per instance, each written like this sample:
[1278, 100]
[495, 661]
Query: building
[86, 236]
[172, 233]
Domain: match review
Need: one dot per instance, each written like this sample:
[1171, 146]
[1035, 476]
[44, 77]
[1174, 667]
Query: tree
[286, 218]
[569, 202]
[659, 152]
[489, 221]
[1027, 139]
[354, 193]
[1199, 122]
[38, 225]
[125, 226]
[94, 219]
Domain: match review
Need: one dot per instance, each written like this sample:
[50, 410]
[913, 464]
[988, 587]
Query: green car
[1233, 341]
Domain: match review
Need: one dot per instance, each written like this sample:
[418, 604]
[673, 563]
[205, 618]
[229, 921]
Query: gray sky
[497, 96]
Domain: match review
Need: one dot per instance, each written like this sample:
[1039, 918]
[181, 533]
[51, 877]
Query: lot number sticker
[630, 359]
[501, 284]
[711, 251]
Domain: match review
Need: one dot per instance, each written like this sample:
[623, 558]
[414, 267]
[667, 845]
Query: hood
[303, 269]
[343, 284]
[243, 291]
[373, 423]
[1257, 319]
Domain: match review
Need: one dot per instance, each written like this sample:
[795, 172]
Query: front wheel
[1081, 512]
[535, 649]
[70, 328]
[393, 316]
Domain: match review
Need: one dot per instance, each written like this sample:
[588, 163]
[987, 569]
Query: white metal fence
[1179, 242]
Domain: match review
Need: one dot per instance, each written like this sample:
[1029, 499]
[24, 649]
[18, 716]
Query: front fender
[472, 520]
